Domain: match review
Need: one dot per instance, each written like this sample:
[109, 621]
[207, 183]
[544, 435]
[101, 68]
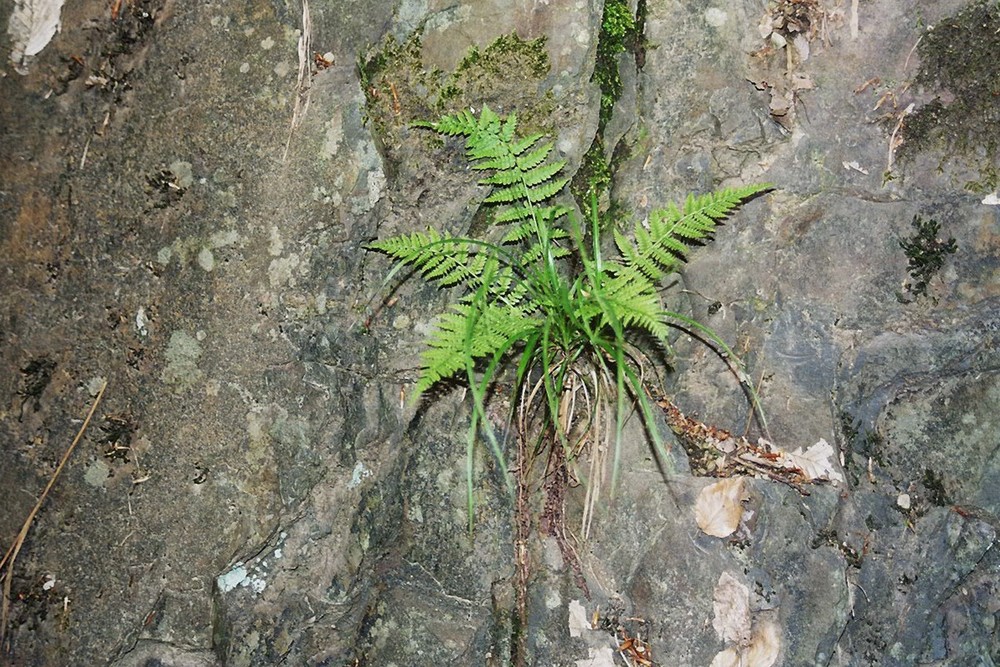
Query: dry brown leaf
[762, 652]
[719, 507]
[731, 604]
[802, 82]
[801, 43]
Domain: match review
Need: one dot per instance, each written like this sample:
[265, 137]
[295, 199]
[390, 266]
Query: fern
[539, 294]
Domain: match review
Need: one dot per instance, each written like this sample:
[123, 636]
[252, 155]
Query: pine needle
[15, 548]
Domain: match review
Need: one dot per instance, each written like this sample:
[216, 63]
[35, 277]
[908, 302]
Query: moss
[507, 75]
[620, 32]
[958, 58]
[934, 484]
[593, 178]
[508, 53]
[828, 537]
[926, 254]
[988, 181]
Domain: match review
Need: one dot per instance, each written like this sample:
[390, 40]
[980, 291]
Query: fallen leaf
[31, 26]
[766, 26]
[816, 462]
[801, 43]
[599, 657]
[764, 647]
[727, 658]
[718, 508]
[578, 621]
[853, 164]
[731, 604]
[802, 82]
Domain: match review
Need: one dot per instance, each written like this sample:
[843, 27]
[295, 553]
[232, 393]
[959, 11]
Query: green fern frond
[537, 251]
[522, 298]
[658, 249]
[536, 157]
[494, 326]
[463, 123]
[521, 174]
[439, 257]
[636, 304]
[518, 233]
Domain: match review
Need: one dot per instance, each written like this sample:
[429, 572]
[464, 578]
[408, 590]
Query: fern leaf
[508, 127]
[544, 191]
[506, 177]
[493, 326]
[502, 161]
[520, 232]
[514, 213]
[440, 258]
[636, 304]
[463, 123]
[518, 147]
[541, 174]
[657, 250]
[508, 194]
[532, 159]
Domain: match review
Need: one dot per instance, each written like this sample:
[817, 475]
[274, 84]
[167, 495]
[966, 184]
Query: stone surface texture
[184, 217]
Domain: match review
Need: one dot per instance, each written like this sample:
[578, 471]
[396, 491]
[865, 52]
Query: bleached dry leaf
[731, 604]
[727, 658]
[856, 166]
[802, 82]
[991, 199]
[766, 26]
[31, 26]
[577, 619]
[780, 104]
[801, 43]
[599, 657]
[816, 462]
[765, 646]
[719, 508]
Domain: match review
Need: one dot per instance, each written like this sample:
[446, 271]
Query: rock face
[186, 196]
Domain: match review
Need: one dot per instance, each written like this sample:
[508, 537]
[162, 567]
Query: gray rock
[273, 496]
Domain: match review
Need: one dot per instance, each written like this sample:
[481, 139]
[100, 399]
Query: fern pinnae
[562, 321]
[672, 229]
[532, 159]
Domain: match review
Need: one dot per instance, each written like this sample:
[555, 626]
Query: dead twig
[895, 139]
[302, 84]
[11, 556]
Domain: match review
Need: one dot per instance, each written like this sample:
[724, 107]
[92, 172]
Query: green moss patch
[958, 59]
[926, 254]
[507, 75]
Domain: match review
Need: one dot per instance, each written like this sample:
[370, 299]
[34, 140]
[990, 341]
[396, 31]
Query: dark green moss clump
[620, 32]
[926, 254]
[934, 483]
[593, 177]
[959, 59]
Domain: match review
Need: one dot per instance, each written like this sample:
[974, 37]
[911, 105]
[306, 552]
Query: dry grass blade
[302, 84]
[11, 556]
